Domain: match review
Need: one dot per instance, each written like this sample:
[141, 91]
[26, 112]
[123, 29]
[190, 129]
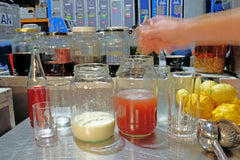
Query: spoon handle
[219, 151]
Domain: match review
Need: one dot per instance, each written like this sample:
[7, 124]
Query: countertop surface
[19, 144]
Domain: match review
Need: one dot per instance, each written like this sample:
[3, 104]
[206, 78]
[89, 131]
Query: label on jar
[93, 126]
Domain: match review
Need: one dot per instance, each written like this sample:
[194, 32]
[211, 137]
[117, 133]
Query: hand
[163, 32]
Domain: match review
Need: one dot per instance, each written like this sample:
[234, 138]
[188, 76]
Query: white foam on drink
[136, 94]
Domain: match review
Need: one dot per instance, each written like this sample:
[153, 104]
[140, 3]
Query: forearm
[218, 28]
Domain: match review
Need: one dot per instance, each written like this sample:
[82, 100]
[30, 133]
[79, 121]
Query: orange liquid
[136, 112]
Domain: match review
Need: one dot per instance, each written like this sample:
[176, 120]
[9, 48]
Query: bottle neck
[36, 75]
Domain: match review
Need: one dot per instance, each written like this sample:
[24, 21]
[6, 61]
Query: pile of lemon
[217, 101]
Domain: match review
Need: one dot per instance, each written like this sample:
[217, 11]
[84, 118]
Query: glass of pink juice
[136, 112]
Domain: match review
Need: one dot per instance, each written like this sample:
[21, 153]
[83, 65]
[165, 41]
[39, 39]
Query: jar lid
[84, 29]
[26, 30]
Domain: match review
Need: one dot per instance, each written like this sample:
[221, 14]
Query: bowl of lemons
[217, 101]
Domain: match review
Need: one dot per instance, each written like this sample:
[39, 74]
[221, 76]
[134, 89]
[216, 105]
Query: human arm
[170, 33]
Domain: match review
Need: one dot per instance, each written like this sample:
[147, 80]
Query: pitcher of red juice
[136, 96]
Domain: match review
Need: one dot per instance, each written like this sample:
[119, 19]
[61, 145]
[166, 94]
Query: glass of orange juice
[136, 96]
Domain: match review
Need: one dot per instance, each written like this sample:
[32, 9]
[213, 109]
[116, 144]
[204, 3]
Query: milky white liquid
[93, 126]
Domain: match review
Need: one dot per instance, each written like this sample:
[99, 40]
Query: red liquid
[35, 94]
[136, 112]
[21, 63]
[58, 69]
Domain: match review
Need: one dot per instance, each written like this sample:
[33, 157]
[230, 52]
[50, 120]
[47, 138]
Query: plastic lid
[84, 29]
[26, 30]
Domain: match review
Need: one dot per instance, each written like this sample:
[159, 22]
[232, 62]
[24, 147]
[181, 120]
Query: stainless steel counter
[19, 144]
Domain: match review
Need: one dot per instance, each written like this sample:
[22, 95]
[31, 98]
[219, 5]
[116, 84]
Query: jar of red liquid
[55, 56]
[209, 58]
[21, 49]
[36, 82]
[136, 96]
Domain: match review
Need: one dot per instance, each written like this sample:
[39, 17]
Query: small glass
[45, 127]
[136, 96]
[93, 113]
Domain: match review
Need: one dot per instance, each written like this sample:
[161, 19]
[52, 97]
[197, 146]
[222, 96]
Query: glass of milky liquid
[93, 114]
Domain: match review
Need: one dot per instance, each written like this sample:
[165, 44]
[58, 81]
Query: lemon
[182, 97]
[236, 101]
[205, 87]
[205, 109]
[223, 92]
[227, 111]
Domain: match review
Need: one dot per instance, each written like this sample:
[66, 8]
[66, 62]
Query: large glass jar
[93, 113]
[136, 96]
[115, 47]
[210, 58]
[85, 46]
[21, 49]
[56, 58]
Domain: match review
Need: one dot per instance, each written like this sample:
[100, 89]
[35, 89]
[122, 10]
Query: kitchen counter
[19, 144]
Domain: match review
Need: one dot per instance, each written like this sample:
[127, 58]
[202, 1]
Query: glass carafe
[136, 96]
[93, 113]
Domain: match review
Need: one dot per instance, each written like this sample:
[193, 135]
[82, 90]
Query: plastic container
[210, 59]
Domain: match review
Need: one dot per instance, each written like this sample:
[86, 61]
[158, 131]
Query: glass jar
[115, 46]
[136, 96]
[209, 58]
[21, 49]
[56, 58]
[85, 46]
[93, 113]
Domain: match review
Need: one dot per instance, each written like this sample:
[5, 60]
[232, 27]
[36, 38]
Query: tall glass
[184, 101]
[136, 96]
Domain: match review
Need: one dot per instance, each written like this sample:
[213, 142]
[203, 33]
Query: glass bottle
[21, 49]
[36, 82]
[93, 113]
[136, 96]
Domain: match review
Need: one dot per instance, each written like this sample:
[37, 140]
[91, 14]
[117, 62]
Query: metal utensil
[208, 138]
[229, 133]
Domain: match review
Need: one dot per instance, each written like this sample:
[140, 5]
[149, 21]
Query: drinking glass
[45, 128]
[184, 101]
[60, 96]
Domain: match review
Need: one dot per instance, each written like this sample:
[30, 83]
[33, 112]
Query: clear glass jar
[56, 57]
[21, 49]
[93, 113]
[115, 46]
[136, 96]
[209, 58]
[85, 46]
